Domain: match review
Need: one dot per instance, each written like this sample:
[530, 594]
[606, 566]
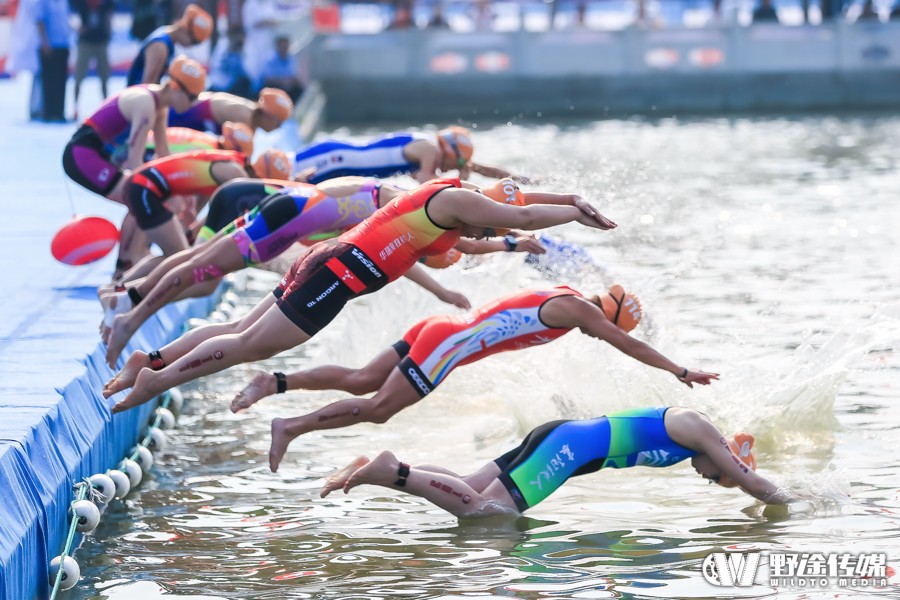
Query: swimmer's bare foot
[105, 294]
[141, 392]
[337, 480]
[263, 384]
[122, 267]
[106, 289]
[382, 470]
[280, 441]
[119, 335]
[114, 304]
[125, 378]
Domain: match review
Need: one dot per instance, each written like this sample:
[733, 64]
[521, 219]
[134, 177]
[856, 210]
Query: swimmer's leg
[133, 246]
[271, 333]
[478, 481]
[139, 360]
[147, 281]
[144, 267]
[212, 263]
[339, 478]
[117, 194]
[327, 377]
[124, 379]
[446, 491]
[169, 236]
[395, 395]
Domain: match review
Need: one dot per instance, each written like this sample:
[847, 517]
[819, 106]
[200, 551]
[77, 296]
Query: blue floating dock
[55, 426]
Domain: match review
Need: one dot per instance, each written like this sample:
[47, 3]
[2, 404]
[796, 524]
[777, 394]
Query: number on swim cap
[191, 70]
[509, 190]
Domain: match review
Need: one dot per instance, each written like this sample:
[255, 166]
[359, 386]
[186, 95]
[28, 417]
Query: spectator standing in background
[895, 14]
[228, 73]
[260, 18]
[580, 16]
[148, 15]
[212, 7]
[93, 42]
[765, 13]
[52, 18]
[403, 18]
[24, 50]
[437, 18]
[484, 15]
[868, 14]
[280, 71]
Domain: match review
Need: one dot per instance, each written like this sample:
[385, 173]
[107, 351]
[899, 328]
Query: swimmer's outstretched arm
[497, 173]
[573, 312]
[471, 208]
[561, 199]
[418, 275]
[554, 198]
[524, 243]
[440, 487]
[701, 435]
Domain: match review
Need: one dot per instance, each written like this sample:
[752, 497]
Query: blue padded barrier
[49, 440]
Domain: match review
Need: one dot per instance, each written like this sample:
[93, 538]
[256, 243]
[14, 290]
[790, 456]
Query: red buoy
[84, 240]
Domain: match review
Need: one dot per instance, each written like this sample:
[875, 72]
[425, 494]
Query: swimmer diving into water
[556, 451]
[283, 218]
[421, 155]
[425, 221]
[414, 366]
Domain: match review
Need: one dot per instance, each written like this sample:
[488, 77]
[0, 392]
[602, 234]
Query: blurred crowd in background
[254, 44]
[499, 15]
[52, 39]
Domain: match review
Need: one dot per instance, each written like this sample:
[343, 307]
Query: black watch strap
[402, 474]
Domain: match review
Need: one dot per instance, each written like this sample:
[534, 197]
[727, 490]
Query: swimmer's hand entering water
[526, 242]
[698, 377]
[456, 299]
[591, 217]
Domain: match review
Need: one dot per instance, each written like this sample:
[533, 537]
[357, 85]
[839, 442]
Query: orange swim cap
[188, 75]
[458, 141]
[742, 446]
[237, 136]
[442, 261]
[275, 102]
[621, 307]
[198, 22]
[272, 164]
[505, 191]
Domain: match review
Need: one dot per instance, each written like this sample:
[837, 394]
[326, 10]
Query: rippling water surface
[763, 249]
